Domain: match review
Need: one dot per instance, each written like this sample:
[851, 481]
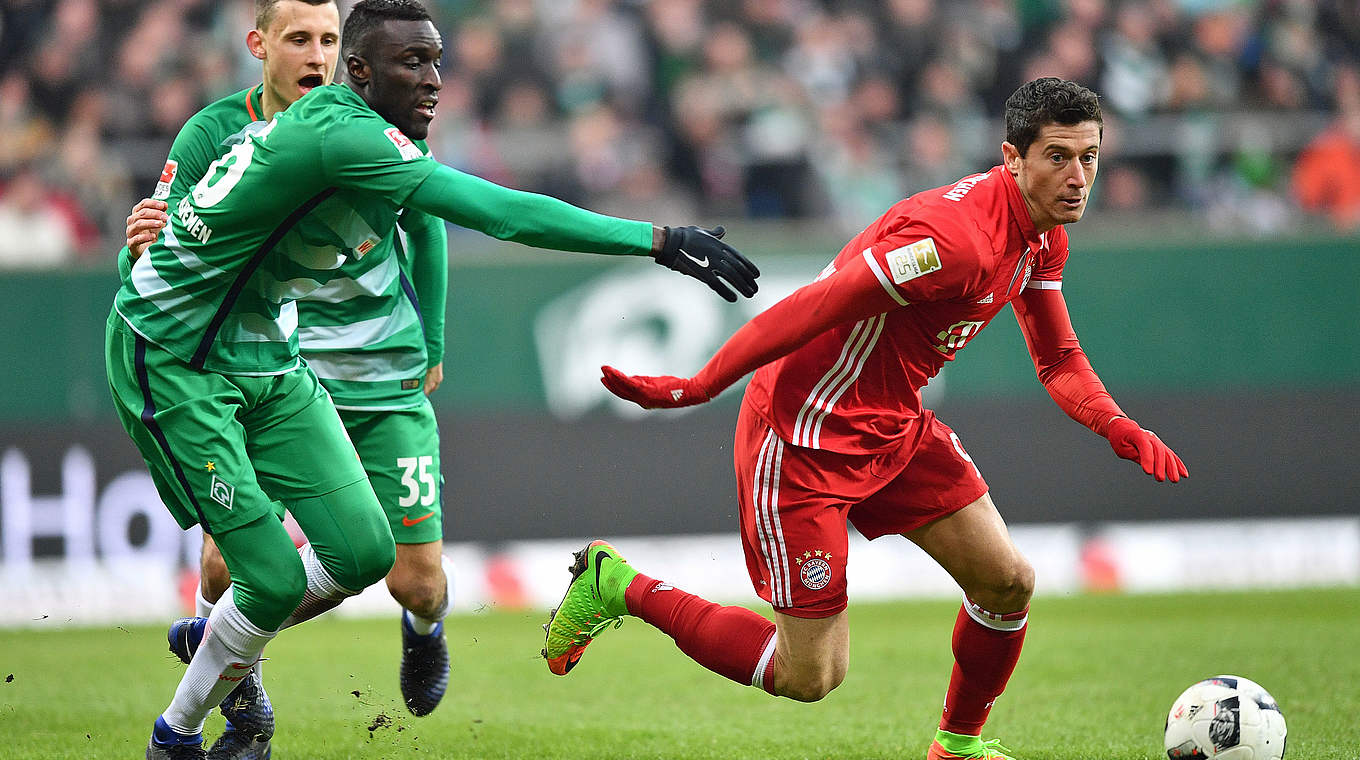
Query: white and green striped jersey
[400, 298]
[303, 205]
[369, 335]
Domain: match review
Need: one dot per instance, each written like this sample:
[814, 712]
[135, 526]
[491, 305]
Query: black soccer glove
[701, 254]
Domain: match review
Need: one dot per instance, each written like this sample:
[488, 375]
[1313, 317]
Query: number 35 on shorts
[418, 478]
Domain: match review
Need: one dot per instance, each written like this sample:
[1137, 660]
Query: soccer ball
[1225, 718]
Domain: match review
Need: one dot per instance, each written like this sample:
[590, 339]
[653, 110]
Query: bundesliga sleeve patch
[912, 261]
[409, 151]
[167, 179]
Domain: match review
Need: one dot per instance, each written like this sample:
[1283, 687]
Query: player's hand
[662, 392]
[1144, 447]
[701, 254]
[433, 377]
[144, 225]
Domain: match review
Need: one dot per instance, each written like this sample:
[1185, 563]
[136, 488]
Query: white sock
[231, 646]
[426, 627]
[203, 607]
[322, 593]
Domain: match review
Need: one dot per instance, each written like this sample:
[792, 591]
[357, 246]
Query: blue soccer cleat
[168, 744]
[424, 668]
[250, 716]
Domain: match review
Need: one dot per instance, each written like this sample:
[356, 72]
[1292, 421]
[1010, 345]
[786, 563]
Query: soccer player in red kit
[832, 429]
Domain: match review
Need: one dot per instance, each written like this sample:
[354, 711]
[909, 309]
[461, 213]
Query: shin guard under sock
[986, 649]
[733, 642]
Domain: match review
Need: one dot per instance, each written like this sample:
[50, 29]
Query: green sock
[957, 744]
[615, 575]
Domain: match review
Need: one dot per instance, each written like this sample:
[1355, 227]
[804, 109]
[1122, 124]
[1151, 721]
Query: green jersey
[369, 335]
[278, 217]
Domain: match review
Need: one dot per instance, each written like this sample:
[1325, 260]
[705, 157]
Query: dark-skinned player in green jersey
[202, 346]
[374, 338]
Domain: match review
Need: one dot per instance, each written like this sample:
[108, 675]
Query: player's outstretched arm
[546, 222]
[144, 225]
[1070, 380]
[849, 295]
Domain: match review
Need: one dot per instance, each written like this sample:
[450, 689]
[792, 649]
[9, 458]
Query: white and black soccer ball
[1225, 718]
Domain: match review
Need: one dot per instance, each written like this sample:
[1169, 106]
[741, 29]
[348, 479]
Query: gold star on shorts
[210, 466]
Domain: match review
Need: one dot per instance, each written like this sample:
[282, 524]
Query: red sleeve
[1061, 364]
[850, 293]
[922, 263]
[1049, 267]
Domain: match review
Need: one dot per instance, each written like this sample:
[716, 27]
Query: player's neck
[270, 104]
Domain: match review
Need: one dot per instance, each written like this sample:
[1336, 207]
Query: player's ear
[1010, 156]
[255, 43]
[357, 69]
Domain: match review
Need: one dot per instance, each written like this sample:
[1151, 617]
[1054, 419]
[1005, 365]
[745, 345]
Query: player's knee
[280, 596]
[812, 686]
[810, 681]
[421, 593]
[370, 564]
[1008, 589]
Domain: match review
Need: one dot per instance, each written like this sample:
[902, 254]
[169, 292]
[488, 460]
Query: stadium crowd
[1246, 112]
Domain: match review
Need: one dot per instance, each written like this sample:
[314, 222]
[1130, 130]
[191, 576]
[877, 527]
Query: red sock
[731, 641]
[984, 657]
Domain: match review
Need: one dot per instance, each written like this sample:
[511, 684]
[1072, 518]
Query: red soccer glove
[663, 392]
[1144, 447]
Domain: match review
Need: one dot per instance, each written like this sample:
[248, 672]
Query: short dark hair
[1048, 100]
[367, 15]
[264, 10]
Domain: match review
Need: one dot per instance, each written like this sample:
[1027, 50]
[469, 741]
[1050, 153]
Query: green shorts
[224, 449]
[400, 452]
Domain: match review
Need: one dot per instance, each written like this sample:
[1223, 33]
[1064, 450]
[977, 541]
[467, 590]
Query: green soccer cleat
[950, 746]
[593, 602]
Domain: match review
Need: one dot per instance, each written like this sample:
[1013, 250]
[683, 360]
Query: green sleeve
[369, 155]
[528, 218]
[428, 252]
[194, 150]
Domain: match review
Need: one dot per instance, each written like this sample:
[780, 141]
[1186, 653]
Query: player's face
[403, 74]
[299, 47]
[1056, 174]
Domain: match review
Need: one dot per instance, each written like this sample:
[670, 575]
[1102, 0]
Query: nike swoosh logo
[408, 522]
[598, 554]
[701, 262]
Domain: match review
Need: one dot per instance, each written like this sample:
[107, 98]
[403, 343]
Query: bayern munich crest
[815, 573]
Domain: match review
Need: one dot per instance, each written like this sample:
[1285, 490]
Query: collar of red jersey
[1019, 210]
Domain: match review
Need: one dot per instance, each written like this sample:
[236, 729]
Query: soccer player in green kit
[375, 340]
[202, 344]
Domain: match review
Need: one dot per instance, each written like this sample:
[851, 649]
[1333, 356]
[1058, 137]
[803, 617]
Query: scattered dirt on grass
[382, 720]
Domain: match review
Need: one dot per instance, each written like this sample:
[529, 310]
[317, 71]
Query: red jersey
[950, 258]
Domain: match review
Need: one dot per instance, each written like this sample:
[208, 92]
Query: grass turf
[1095, 681]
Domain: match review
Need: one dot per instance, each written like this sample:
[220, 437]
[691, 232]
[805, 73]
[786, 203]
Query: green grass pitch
[1096, 678]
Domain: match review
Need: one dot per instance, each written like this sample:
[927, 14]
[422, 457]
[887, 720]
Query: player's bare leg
[811, 655]
[420, 581]
[213, 578]
[974, 546]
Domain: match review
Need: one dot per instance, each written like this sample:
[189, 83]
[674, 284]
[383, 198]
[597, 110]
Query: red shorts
[795, 503]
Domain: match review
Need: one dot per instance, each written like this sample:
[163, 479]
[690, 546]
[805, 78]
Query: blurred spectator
[27, 133]
[768, 108]
[39, 226]
[1134, 81]
[1327, 176]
